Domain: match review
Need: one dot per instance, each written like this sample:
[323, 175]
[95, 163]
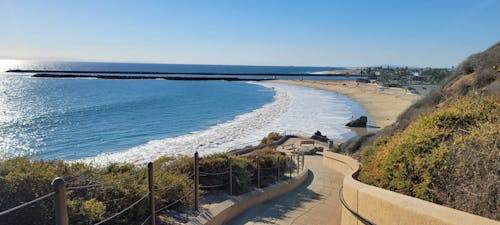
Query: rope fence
[26, 204]
[214, 174]
[173, 203]
[213, 186]
[124, 210]
[226, 177]
[85, 187]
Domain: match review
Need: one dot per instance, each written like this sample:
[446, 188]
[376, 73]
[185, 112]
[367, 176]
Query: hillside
[446, 147]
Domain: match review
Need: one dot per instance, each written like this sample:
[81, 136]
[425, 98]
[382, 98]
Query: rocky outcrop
[359, 122]
[318, 136]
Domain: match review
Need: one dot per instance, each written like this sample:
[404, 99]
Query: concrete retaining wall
[381, 206]
[230, 208]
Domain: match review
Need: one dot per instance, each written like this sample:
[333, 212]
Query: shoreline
[290, 102]
[383, 105]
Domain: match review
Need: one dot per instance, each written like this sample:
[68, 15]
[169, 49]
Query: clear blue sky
[268, 32]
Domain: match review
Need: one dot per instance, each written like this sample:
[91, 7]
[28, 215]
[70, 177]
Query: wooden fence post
[298, 163]
[258, 172]
[151, 193]
[291, 166]
[278, 176]
[61, 209]
[196, 181]
[230, 164]
[303, 161]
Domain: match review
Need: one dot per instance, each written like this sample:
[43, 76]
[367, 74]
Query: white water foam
[295, 110]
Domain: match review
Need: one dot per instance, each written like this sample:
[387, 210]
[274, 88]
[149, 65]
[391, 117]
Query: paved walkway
[313, 203]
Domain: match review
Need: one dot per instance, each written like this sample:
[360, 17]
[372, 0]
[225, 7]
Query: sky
[436, 33]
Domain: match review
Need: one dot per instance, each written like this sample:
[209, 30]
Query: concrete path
[313, 203]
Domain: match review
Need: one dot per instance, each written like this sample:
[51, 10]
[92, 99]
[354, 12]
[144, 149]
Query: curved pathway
[314, 202]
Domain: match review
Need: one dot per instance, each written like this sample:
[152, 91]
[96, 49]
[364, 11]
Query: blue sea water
[150, 67]
[93, 119]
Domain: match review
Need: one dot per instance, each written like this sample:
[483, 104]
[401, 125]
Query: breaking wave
[295, 110]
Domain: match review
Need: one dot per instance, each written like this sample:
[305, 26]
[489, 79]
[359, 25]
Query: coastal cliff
[445, 147]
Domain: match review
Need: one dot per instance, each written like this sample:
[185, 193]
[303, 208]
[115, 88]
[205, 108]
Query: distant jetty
[170, 73]
[131, 77]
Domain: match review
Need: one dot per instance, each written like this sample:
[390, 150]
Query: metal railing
[357, 215]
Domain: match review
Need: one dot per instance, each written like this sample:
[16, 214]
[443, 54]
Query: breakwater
[173, 73]
[132, 77]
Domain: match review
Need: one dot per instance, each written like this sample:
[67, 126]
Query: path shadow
[276, 209]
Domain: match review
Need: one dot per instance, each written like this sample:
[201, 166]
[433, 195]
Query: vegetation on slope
[23, 179]
[450, 156]
[271, 138]
[446, 148]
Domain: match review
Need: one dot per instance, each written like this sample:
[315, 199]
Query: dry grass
[450, 156]
[445, 147]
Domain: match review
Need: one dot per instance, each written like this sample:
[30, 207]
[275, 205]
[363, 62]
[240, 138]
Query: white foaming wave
[294, 110]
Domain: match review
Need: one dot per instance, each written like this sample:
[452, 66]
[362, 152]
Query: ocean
[101, 121]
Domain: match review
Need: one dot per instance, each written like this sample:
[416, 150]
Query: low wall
[381, 206]
[232, 207]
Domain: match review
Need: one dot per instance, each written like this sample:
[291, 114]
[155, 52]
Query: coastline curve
[291, 102]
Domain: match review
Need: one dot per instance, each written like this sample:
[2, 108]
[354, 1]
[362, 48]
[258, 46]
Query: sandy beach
[383, 105]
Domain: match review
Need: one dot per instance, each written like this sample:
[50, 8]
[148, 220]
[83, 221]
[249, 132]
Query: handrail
[171, 204]
[26, 204]
[269, 168]
[168, 187]
[213, 174]
[124, 210]
[344, 203]
[214, 186]
[84, 187]
[361, 218]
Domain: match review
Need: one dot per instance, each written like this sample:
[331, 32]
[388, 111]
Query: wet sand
[383, 105]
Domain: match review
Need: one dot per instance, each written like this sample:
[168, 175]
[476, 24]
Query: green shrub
[269, 160]
[86, 211]
[123, 184]
[271, 137]
[431, 150]
[23, 179]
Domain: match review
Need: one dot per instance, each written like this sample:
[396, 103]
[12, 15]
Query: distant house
[416, 74]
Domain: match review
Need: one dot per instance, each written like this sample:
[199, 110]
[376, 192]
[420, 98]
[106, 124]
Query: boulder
[359, 122]
[320, 137]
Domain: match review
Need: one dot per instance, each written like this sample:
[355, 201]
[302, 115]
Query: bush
[271, 138]
[269, 160]
[441, 155]
[23, 179]
[123, 184]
